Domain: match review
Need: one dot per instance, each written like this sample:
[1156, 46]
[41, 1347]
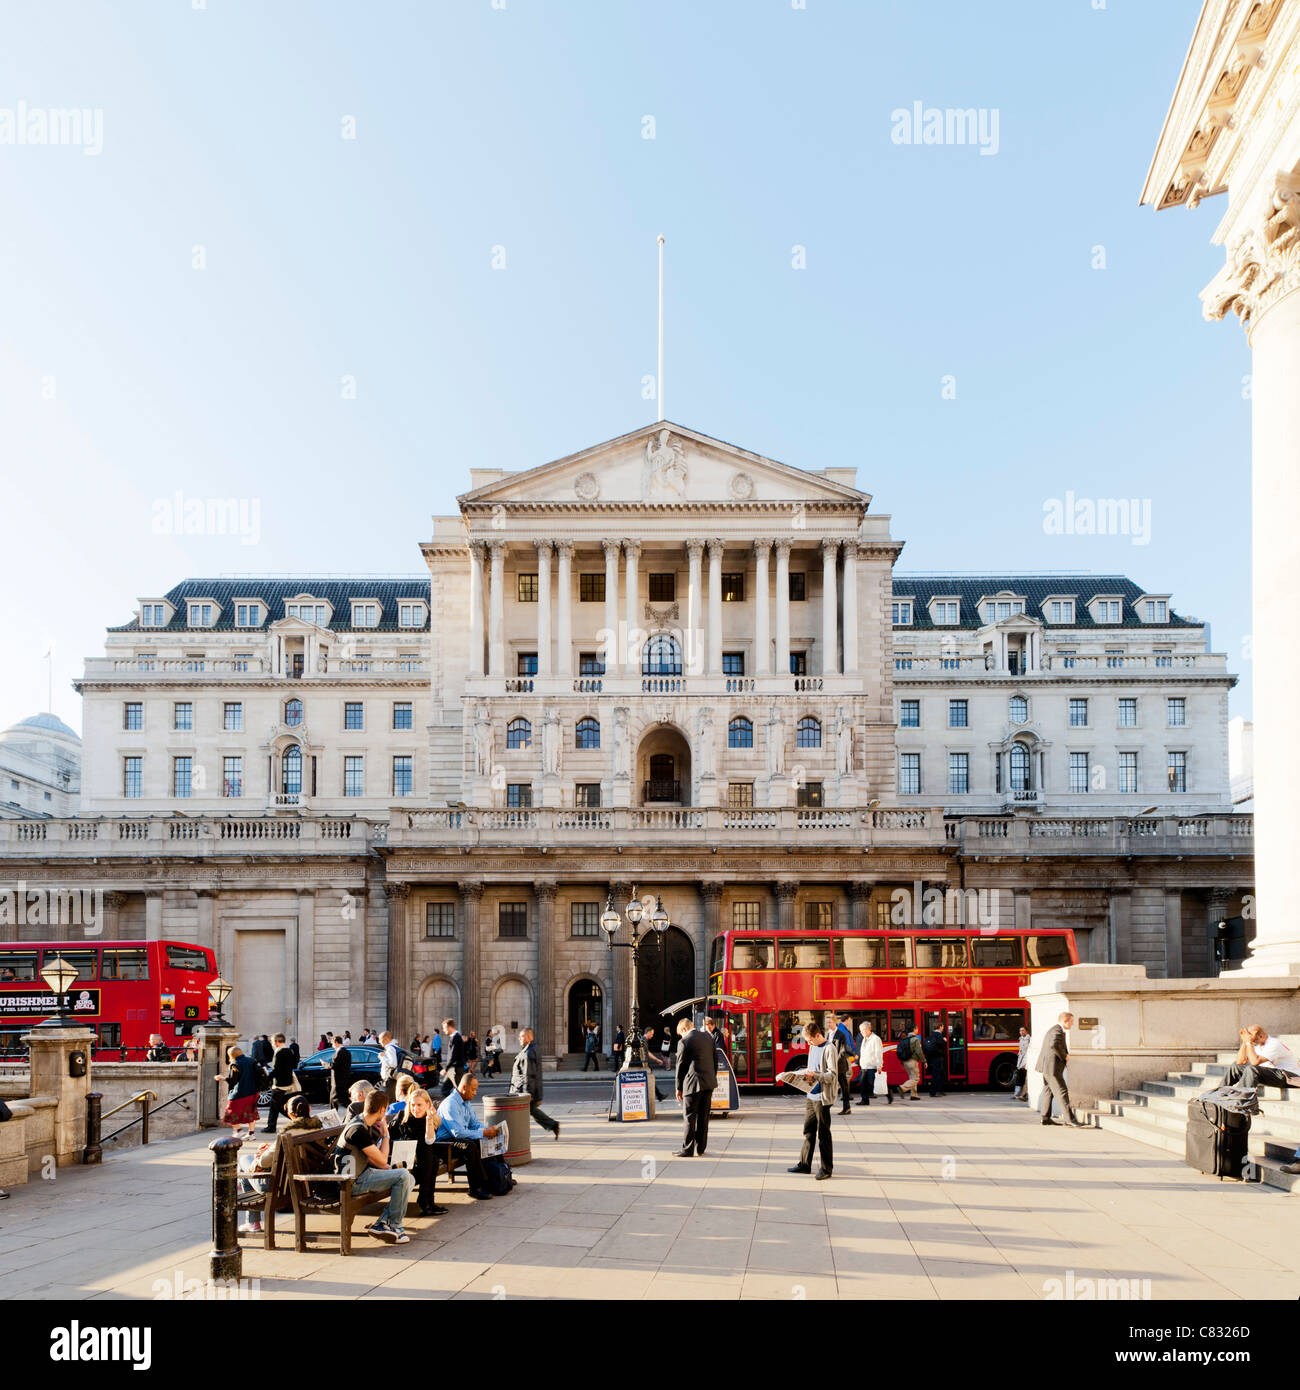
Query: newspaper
[800, 1080]
[496, 1146]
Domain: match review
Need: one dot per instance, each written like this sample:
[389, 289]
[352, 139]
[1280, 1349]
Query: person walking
[845, 1051]
[340, 1075]
[1020, 1079]
[1052, 1058]
[471, 1052]
[909, 1053]
[823, 1066]
[651, 1060]
[935, 1048]
[620, 1040]
[453, 1057]
[283, 1082]
[262, 1050]
[388, 1064]
[697, 1079]
[526, 1080]
[243, 1083]
[871, 1058]
[590, 1043]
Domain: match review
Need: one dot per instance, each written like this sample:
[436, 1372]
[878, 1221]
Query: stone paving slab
[966, 1197]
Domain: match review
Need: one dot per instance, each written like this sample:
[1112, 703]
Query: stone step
[1190, 1088]
[1143, 1128]
[1275, 1121]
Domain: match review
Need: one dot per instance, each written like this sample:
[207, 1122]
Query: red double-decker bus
[124, 991]
[964, 982]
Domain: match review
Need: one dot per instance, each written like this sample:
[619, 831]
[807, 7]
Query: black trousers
[846, 1088]
[817, 1129]
[338, 1092]
[279, 1099]
[470, 1153]
[695, 1109]
[425, 1172]
[867, 1084]
[593, 1058]
[938, 1078]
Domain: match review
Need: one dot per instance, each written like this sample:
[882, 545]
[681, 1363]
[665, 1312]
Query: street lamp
[218, 992]
[610, 922]
[59, 975]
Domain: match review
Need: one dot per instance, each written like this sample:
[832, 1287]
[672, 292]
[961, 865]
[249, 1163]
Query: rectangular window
[248, 614]
[909, 774]
[941, 953]
[527, 590]
[942, 614]
[902, 661]
[1128, 772]
[957, 714]
[1156, 611]
[798, 586]
[859, 952]
[353, 717]
[410, 615]
[128, 963]
[810, 794]
[733, 663]
[958, 774]
[1128, 713]
[995, 952]
[403, 775]
[1067, 659]
[187, 958]
[354, 776]
[18, 965]
[526, 664]
[996, 1025]
[591, 588]
[1061, 611]
[586, 795]
[200, 615]
[1046, 952]
[403, 715]
[133, 777]
[1177, 767]
[584, 919]
[903, 614]
[733, 588]
[512, 920]
[85, 963]
[1078, 773]
[1164, 656]
[183, 716]
[909, 714]
[753, 954]
[182, 776]
[747, 917]
[363, 615]
[519, 795]
[799, 953]
[146, 661]
[740, 795]
[133, 715]
[798, 663]
[818, 916]
[662, 588]
[1078, 714]
[590, 664]
[1177, 707]
[232, 717]
[232, 777]
[440, 921]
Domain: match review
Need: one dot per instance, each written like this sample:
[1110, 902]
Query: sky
[324, 258]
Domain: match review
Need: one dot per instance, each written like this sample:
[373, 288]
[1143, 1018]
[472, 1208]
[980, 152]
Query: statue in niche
[551, 743]
[706, 742]
[775, 743]
[622, 747]
[482, 742]
[843, 742]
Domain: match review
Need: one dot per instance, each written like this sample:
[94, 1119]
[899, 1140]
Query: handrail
[131, 1100]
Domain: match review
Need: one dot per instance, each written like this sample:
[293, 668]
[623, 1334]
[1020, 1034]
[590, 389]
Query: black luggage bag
[1217, 1139]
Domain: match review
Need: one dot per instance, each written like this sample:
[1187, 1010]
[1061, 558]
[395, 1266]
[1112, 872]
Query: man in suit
[526, 1080]
[454, 1058]
[697, 1079]
[1052, 1057]
[340, 1075]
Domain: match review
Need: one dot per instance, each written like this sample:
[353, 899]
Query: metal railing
[142, 1099]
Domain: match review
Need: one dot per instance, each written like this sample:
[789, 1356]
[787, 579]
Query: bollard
[94, 1128]
[226, 1259]
[144, 1118]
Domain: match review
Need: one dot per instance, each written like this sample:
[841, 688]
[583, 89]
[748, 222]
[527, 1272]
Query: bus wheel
[1001, 1071]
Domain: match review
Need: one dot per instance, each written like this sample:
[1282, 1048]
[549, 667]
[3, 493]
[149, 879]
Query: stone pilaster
[396, 994]
[471, 897]
[546, 972]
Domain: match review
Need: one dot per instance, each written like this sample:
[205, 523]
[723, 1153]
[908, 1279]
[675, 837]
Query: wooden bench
[333, 1193]
[277, 1185]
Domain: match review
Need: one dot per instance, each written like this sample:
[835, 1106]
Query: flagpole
[659, 379]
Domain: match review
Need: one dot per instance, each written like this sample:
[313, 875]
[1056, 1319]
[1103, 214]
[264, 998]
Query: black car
[314, 1072]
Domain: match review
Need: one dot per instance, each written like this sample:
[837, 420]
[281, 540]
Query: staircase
[1156, 1114]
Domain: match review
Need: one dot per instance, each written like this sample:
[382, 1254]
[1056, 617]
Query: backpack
[499, 1178]
[905, 1049]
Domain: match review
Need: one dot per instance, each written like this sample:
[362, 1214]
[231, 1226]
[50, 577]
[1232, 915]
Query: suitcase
[1217, 1139]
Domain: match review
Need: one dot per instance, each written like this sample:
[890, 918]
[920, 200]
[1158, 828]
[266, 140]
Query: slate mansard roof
[273, 594]
[1036, 589]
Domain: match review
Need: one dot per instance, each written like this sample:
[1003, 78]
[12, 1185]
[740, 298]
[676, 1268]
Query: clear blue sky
[126, 374]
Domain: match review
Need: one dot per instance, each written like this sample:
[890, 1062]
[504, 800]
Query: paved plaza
[964, 1197]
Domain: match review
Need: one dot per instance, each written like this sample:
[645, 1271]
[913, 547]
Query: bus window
[17, 965]
[738, 1041]
[764, 1051]
[187, 958]
[129, 964]
[879, 1020]
[109, 1034]
[1046, 952]
[900, 1022]
[83, 962]
[757, 954]
[941, 952]
[717, 954]
[900, 952]
[995, 952]
[996, 1025]
[798, 953]
[790, 1024]
[859, 952]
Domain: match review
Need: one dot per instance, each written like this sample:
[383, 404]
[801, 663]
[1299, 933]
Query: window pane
[129, 964]
[17, 965]
[996, 1025]
[440, 919]
[859, 952]
[940, 952]
[746, 916]
[756, 953]
[584, 919]
[512, 920]
[798, 953]
[186, 958]
[1046, 952]
[995, 952]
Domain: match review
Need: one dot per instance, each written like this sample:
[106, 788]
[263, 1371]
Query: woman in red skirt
[242, 1087]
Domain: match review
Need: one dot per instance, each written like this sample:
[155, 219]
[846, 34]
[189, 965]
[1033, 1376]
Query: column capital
[1217, 899]
[564, 547]
[1263, 264]
[545, 891]
[786, 890]
[611, 548]
[695, 548]
[830, 546]
[716, 546]
[397, 892]
[632, 547]
[115, 901]
[544, 544]
[860, 889]
[478, 548]
[762, 544]
[711, 892]
[471, 889]
[783, 545]
[497, 549]
[620, 891]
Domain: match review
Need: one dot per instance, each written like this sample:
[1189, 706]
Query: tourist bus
[124, 991]
[964, 982]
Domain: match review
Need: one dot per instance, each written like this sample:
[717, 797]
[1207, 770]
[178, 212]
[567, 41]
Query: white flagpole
[659, 381]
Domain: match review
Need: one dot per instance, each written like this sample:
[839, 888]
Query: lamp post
[610, 923]
[59, 975]
[218, 992]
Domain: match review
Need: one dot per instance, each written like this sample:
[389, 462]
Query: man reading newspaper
[820, 1079]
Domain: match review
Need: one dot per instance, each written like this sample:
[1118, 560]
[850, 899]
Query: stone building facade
[663, 664]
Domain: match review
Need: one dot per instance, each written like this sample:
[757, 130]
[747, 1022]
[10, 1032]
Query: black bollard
[94, 1128]
[226, 1259]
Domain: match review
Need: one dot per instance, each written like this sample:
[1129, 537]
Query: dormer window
[365, 615]
[903, 613]
[248, 615]
[1107, 610]
[201, 614]
[410, 615]
[153, 615]
[1059, 610]
[317, 613]
[1154, 610]
[944, 612]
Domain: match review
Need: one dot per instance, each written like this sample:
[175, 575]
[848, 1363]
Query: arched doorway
[439, 999]
[663, 767]
[665, 975]
[586, 1006]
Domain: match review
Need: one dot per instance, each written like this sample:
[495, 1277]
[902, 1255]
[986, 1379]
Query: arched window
[588, 733]
[519, 734]
[1019, 709]
[809, 734]
[661, 656]
[291, 771]
[293, 713]
[1019, 768]
[740, 733]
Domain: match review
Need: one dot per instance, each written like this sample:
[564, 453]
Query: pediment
[664, 465]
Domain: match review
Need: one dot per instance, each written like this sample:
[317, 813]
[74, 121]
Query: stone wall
[118, 1081]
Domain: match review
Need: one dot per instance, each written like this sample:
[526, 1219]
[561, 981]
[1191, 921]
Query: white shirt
[1277, 1054]
[871, 1053]
[389, 1056]
[815, 1052]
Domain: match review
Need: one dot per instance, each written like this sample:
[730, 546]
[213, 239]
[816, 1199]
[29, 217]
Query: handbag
[881, 1087]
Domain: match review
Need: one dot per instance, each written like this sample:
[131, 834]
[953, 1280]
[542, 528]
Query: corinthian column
[497, 611]
[471, 896]
[564, 609]
[851, 607]
[783, 606]
[613, 652]
[632, 550]
[694, 614]
[762, 620]
[830, 609]
[543, 607]
[546, 970]
[715, 607]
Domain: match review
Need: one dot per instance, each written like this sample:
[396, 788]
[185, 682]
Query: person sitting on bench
[459, 1124]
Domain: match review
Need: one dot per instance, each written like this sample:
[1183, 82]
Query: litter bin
[511, 1111]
